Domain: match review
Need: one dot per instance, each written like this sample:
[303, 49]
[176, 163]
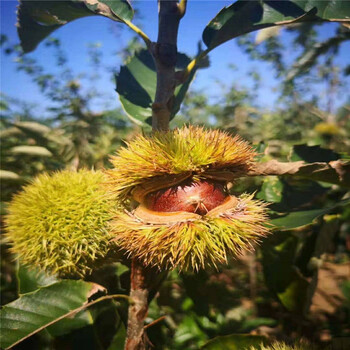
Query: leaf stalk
[138, 31]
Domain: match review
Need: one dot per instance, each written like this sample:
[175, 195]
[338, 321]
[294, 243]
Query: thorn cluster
[170, 225]
[176, 155]
[58, 223]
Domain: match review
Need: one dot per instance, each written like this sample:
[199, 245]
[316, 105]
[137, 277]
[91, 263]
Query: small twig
[154, 322]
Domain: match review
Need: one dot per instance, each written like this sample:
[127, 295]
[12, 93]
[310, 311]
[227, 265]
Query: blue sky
[76, 35]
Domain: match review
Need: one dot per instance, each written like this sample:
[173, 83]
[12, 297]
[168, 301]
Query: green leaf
[271, 189]
[119, 338]
[136, 86]
[3, 210]
[311, 154]
[298, 193]
[120, 269]
[281, 276]
[235, 342]
[189, 330]
[8, 175]
[10, 132]
[250, 324]
[42, 134]
[302, 218]
[33, 127]
[30, 279]
[35, 311]
[68, 324]
[246, 16]
[345, 287]
[31, 151]
[336, 172]
[38, 19]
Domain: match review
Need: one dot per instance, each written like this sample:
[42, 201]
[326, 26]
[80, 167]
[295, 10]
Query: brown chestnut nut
[192, 196]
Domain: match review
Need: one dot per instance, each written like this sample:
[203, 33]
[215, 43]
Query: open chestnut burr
[183, 214]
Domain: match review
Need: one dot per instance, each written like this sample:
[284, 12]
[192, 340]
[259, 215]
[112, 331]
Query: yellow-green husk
[58, 223]
[191, 151]
[192, 244]
[185, 241]
[284, 346]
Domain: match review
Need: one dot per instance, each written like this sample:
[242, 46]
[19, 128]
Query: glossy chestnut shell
[191, 196]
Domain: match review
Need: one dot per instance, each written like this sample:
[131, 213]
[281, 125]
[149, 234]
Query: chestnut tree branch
[164, 52]
[145, 281]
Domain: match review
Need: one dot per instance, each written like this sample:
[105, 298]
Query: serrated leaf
[246, 16]
[235, 342]
[38, 19]
[136, 86]
[30, 279]
[35, 311]
[121, 9]
[31, 151]
[302, 218]
[8, 175]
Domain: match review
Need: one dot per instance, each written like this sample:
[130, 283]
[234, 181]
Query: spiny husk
[192, 244]
[284, 346]
[189, 151]
[58, 223]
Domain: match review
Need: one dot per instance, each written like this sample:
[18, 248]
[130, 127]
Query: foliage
[38, 20]
[243, 17]
[43, 307]
[72, 135]
[77, 135]
[135, 96]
